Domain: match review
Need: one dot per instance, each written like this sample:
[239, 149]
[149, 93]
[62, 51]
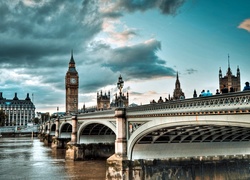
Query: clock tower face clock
[73, 80]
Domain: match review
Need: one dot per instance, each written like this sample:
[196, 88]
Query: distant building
[123, 100]
[85, 109]
[178, 94]
[18, 112]
[195, 94]
[231, 82]
[43, 117]
[103, 101]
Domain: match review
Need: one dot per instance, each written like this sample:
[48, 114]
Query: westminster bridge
[213, 126]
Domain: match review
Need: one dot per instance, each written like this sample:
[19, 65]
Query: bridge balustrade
[97, 115]
[237, 102]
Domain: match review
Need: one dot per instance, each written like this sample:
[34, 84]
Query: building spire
[229, 69]
[72, 61]
[220, 73]
[177, 82]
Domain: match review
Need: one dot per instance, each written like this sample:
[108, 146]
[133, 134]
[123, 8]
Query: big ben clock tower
[71, 85]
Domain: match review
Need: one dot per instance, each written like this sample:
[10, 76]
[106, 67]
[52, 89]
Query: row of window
[13, 121]
[22, 124]
[17, 107]
[18, 111]
[18, 117]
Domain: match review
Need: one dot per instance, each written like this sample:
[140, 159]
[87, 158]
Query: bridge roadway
[218, 125]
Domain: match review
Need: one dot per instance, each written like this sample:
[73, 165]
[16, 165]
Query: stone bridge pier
[118, 164]
[42, 133]
[47, 137]
[57, 143]
[74, 151]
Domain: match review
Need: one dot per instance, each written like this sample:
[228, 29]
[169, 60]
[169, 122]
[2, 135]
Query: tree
[3, 117]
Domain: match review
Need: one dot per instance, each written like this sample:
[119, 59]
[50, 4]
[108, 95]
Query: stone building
[18, 112]
[178, 94]
[230, 81]
[43, 117]
[103, 101]
[71, 86]
[124, 100]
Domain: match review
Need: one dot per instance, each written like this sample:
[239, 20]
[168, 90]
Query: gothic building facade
[103, 101]
[71, 86]
[122, 100]
[178, 94]
[230, 81]
[18, 112]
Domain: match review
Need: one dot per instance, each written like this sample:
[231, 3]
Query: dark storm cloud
[30, 33]
[93, 77]
[36, 39]
[139, 61]
[165, 6]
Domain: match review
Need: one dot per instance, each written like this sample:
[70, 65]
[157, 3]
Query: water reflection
[24, 158]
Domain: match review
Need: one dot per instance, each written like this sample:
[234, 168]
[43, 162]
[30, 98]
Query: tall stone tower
[178, 91]
[229, 80]
[71, 85]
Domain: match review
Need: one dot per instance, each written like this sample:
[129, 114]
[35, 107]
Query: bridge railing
[90, 115]
[97, 115]
[236, 102]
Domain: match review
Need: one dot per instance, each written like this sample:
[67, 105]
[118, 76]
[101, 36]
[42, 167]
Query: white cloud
[245, 25]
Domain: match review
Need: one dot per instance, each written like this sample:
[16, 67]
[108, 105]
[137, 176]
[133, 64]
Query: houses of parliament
[229, 81]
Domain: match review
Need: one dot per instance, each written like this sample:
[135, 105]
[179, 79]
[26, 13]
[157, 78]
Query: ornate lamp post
[120, 85]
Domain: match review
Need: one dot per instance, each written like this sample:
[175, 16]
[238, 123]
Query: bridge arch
[46, 128]
[223, 124]
[52, 129]
[96, 128]
[65, 130]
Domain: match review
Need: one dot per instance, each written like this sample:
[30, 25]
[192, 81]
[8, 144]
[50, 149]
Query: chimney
[28, 97]
[15, 98]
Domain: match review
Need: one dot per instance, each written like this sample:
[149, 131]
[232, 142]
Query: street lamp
[120, 85]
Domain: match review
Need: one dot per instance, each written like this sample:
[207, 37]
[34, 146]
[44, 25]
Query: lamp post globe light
[120, 85]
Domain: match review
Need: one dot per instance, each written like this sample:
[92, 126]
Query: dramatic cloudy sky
[146, 41]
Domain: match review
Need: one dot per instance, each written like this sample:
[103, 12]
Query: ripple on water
[22, 158]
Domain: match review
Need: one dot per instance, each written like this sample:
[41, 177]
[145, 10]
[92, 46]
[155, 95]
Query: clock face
[72, 80]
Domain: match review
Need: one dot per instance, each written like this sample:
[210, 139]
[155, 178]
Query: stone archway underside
[193, 141]
[66, 131]
[196, 134]
[97, 133]
[66, 128]
[53, 127]
[97, 129]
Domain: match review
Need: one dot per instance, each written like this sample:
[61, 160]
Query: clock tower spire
[71, 86]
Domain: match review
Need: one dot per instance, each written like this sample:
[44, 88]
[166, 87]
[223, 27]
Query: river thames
[23, 158]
